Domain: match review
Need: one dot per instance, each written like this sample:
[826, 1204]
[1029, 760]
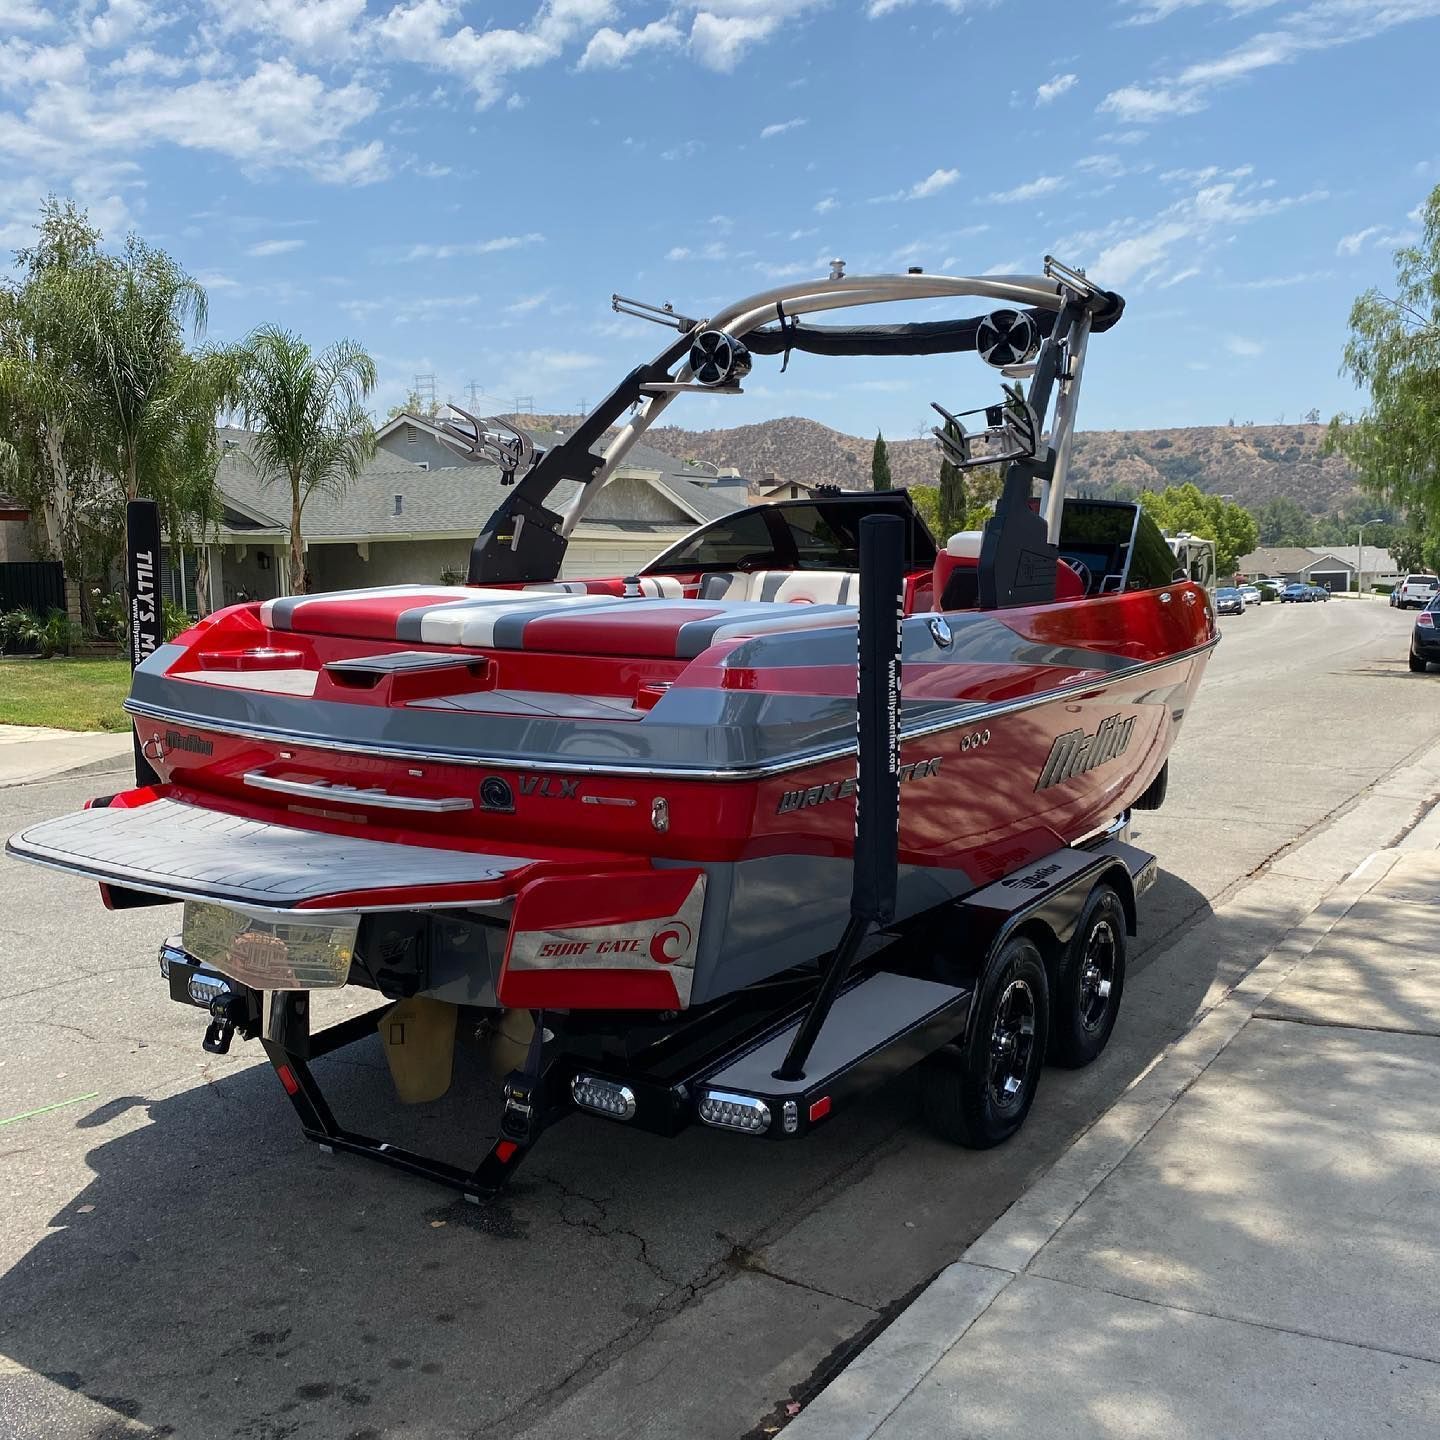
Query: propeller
[1006, 337]
[717, 359]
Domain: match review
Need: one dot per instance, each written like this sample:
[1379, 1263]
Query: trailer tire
[979, 1093]
[1089, 982]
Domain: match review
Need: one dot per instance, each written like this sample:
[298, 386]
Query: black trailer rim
[1012, 1044]
[1097, 975]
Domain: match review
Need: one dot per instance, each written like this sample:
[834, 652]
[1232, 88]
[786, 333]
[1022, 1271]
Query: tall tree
[1187, 509]
[311, 428]
[880, 465]
[139, 313]
[1283, 522]
[952, 490]
[1393, 353]
[48, 407]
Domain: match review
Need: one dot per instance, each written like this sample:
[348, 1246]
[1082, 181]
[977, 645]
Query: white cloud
[719, 42]
[1352, 244]
[1189, 273]
[1130, 247]
[1134, 102]
[275, 116]
[527, 303]
[273, 247]
[825, 206]
[142, 60]
[1318, 25]
[781, 127]
[933, 184]
[427, 251]
[1054, 88]
[1108, 167]
[1031, 190]
[24, 15]
[420, 32]
[1245, 349]
[609, 48]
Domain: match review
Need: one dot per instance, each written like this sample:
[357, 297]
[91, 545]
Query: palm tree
[307, 411]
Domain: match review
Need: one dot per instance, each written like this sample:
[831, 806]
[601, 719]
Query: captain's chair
[957, 574]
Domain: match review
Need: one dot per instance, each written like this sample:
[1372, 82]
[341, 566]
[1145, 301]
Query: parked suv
[1417, 591]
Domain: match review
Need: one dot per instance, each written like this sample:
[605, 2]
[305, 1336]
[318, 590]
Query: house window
[399, 504]
[411, 434]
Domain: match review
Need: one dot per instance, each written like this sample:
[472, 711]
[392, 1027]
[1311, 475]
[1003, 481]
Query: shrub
[19, 632]
[176, 619]
[56, 634]
[109, 612]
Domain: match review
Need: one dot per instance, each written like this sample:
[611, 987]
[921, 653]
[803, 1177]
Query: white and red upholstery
[962, 553]
[784, 587]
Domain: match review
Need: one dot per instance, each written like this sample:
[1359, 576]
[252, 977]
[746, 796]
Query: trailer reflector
[603, 1097]
[728, 1111]
[288, 1080]
[820, 1109]
[504, 1150]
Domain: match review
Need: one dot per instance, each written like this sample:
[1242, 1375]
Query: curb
[879, 1380]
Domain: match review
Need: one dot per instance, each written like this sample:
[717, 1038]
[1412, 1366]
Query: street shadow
[219, 1276]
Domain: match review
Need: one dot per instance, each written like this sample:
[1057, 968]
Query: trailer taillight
[603, 1097]
[288, 1080]
[728, 1111]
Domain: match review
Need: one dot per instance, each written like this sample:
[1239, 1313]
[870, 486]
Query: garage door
[586, 558]
[1337, 580]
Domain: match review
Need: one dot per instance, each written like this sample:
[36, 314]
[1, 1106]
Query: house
[414, 520]
[14, 536]
[1336, 567]
[772, 487]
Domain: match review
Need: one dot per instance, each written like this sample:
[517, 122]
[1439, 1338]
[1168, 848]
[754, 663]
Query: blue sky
[461, 186]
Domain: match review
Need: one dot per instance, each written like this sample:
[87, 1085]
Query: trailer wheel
[1090, 982]
[979, 1095]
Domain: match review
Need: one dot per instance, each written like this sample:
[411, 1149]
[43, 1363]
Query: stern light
[603, 1097]
[728, 1111]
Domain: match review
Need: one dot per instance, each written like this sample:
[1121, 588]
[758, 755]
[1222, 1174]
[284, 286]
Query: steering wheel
[1082, 570]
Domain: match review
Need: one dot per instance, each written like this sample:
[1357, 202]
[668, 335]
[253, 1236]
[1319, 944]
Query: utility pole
[425, 394]
[1360, 557]
[473, 391]
[524, 405]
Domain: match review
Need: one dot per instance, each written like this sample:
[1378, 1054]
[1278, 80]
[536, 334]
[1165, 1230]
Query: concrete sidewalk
[36, 752]
[1246, 1244]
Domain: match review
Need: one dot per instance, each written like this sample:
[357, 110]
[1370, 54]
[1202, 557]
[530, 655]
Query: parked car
[1319, 592]
[1229, 601]
[1251, 594]
[1417, 590]
[1296, 594]
[1425, 637]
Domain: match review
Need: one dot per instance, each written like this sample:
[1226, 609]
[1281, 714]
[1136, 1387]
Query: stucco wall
[246, 575]
[14, 542]
[627, 498]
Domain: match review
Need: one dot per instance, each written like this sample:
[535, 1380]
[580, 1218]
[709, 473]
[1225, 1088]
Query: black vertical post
[877, 793]
[142, 577]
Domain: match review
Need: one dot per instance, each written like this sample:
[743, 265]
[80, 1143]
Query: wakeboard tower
[658, 838]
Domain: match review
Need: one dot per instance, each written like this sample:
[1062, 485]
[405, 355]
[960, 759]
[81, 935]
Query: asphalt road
[174, 1259]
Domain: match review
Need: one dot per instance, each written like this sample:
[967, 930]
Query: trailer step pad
[864, 1021]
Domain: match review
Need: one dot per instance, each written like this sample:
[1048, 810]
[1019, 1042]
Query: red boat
[624, 810]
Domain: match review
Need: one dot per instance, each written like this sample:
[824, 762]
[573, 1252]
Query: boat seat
[785, 587]
[957, 574]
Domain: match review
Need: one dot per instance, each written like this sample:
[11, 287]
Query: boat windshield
[819, 534]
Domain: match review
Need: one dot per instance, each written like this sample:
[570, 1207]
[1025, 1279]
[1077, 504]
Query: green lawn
[68, 694]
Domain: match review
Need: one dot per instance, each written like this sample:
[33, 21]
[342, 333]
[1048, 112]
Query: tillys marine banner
[147, 617]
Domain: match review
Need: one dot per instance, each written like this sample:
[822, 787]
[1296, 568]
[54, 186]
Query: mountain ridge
[1250, 464]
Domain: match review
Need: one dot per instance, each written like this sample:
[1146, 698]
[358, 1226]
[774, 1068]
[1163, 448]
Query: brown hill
[1250, 463]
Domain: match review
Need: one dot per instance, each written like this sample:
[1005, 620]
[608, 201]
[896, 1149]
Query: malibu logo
[1075, 753]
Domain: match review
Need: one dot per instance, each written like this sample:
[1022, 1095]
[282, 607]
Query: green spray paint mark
[46, 1109]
